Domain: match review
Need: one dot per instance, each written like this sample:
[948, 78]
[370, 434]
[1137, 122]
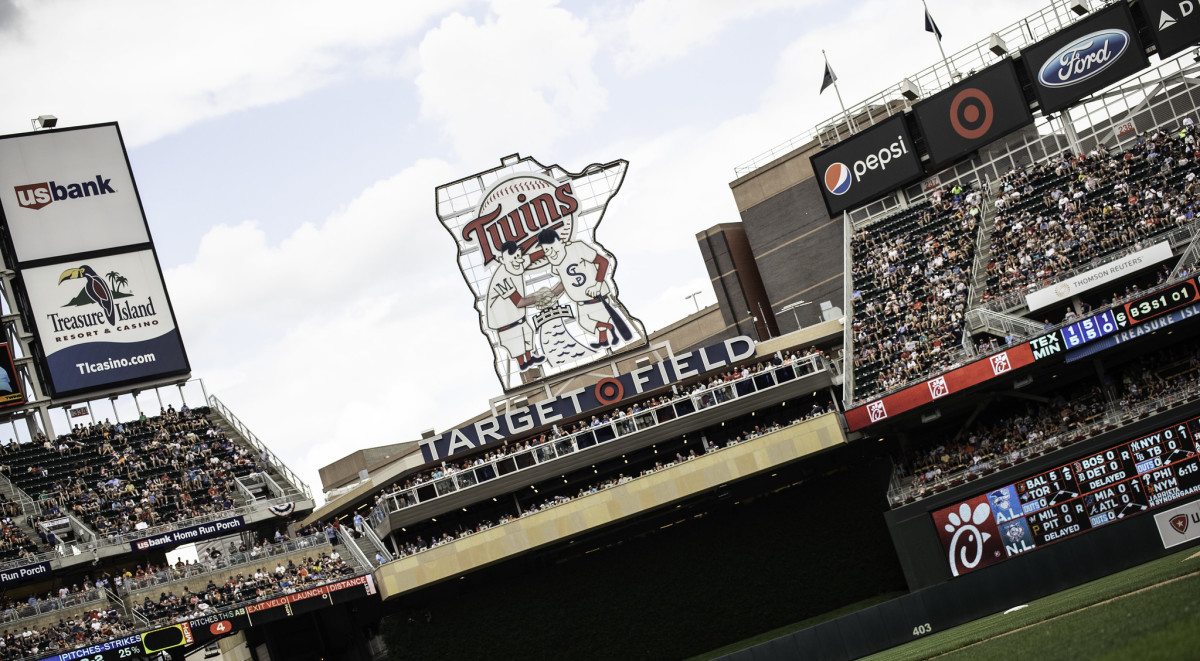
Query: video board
[1164, 306]
[867, 166]
[1085, 57]
[1123, 480]
[973, 113]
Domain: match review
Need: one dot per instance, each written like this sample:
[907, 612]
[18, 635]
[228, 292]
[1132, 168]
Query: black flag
[830, 77]
[930, 26]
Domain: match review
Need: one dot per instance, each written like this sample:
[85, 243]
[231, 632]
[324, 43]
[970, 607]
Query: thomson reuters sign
[867, 166]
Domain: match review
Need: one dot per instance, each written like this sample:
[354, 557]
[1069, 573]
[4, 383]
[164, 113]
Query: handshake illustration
[544, 298]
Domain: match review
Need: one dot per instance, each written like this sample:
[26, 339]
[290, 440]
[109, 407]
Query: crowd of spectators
[124, 477]
[703, 393]
[14, 543]
[911, 275]
[93, 627]
[1002, 435]
[264, 582]
[1059, 215]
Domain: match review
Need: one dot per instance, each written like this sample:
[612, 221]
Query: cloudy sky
[287, 154]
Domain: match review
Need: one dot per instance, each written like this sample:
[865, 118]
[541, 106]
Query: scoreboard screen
[1124, 480]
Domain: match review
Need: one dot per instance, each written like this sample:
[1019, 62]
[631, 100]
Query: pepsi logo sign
[837, 178]
[1083, 58]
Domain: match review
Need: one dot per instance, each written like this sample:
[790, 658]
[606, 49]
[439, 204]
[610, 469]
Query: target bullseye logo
[837, 178]
[609, 391]
[971, 113]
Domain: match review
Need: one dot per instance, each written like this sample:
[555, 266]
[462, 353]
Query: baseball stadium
[947, 403]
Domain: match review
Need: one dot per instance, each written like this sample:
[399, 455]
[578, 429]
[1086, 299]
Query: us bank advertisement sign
[867, 166]
[1084, 58]
[544, 287]
[69, 191]
[103, 321]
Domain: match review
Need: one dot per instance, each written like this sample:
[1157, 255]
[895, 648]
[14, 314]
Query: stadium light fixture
[997, 45]
[1080, 7]
[908, 90]
[44, 122]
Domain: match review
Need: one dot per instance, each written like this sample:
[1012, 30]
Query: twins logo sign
[544, 287]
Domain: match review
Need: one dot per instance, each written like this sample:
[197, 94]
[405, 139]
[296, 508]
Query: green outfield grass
[1148, 612]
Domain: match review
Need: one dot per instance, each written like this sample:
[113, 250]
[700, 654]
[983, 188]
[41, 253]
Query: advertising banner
[973, 113]
[1101, 275]
[189, 534]
[103, 321]
[956, 380]
[18, 574]
[605, 392]
[544, 287]
[867, 166]
[69, 191]
[1179, 525]
[1085, 57]
[1174, 25]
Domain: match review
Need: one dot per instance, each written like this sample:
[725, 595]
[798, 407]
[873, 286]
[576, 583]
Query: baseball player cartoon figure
[541, 316]
[581, 271]
[506, 303]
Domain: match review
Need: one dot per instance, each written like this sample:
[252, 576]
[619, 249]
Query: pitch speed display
[1123, 480]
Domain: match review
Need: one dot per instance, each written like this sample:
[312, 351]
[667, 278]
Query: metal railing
[51, 605]
[516, 461]
[1113, 418]
[928, 81]
[230, 561]
[1047, 329]
[346, 537]
[369, 533]
[272, 459]
[118, 539]
[1015, 300]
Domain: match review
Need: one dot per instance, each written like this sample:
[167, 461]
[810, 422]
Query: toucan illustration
[96, 288]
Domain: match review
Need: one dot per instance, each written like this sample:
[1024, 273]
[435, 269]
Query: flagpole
[945, 60]
[849, 124]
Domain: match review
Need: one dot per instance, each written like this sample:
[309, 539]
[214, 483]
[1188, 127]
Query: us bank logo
[36, 196]
[837, 178]
[104, 293]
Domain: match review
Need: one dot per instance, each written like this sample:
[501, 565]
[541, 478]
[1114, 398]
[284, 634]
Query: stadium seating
[1075, 211]
[120, 477]
[911, 274]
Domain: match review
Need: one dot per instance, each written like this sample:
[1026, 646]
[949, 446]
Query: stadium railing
[228, 562]
[967, 352]
[1014, 301]
[272, 458]
[681, 406]
[51, 605]
[1114, 418]
[929, 81]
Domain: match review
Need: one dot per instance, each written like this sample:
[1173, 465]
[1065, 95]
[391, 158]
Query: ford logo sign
[1083, 58]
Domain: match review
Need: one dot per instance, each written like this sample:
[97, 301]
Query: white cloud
[354, 333]
[163, 66]
[661, 31]
[518, 80]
